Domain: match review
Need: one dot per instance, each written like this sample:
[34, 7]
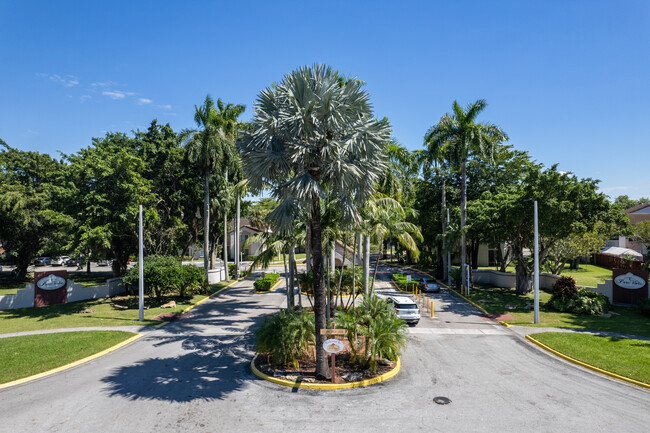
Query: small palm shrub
[265, 283]
[285, 336]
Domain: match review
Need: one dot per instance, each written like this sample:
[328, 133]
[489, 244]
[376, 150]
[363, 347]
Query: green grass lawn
[32, 354]
[80, 314]
[585, 275]
[588, 275]
[496, 300]
[625, 357]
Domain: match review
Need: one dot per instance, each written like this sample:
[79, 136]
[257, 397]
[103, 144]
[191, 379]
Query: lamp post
[140, 268]
[536, 278]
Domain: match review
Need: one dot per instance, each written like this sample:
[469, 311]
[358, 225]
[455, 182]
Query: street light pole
[536, 279]
[140, 269]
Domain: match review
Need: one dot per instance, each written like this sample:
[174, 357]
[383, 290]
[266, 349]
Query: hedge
[265, 283]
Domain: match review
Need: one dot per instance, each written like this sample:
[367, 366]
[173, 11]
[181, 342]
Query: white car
[59, 261]
[405, 308]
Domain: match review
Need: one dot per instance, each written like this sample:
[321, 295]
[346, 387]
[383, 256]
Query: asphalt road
[194, 375]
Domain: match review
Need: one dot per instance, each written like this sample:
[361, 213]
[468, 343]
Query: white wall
[24, 298]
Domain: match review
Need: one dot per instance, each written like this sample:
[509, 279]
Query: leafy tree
[33, 198]
[623, 202]
[458, 136]
[314, 132]
[110, 186]
[641, 233]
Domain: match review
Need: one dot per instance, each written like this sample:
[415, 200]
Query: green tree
[315, 132]
[33, 198]
[109, 187]
[458, 135]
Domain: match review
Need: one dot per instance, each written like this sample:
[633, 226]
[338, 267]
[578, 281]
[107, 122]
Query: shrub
[285, 336]
[645, 307]
[456, 275]
[565, 286]
[165, 274]
[265, 283]
[231, 270]
[582, 302]
[402, 284]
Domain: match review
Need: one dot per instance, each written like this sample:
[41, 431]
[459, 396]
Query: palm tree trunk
[292, 275]
[463, 206]
[354, 270]
[206, 220]
[374, 274]
[307, 247]
[225, 236]
[322, 369]
[287, 278]
[237, 240]
[366, 263]
[328, 308]
[338, 288]
[445, 265]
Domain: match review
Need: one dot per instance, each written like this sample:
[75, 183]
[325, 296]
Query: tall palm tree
[387, 217]
[204, 148]
[315, 132]
[459, 136]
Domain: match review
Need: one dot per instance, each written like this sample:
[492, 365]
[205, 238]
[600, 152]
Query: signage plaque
[333, 345]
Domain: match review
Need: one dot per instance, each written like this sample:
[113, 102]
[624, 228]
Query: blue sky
[567, 80]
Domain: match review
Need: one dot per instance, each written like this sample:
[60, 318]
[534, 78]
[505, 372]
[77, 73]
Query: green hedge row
[265, 283]
[402, 284]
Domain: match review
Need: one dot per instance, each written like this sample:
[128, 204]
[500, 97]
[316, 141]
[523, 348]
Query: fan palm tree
[209, 147]
[315, 132]
[458, 136]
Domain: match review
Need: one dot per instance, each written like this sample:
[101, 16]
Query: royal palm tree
[458, 136]
[315, 132]
[209, 147]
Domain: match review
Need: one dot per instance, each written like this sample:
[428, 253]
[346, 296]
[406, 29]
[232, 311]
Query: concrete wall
[546, 281]
[509, 279]
[24, 298]
[215, 276]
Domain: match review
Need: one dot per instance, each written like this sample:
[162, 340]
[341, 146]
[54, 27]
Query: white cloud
[116, 94]
[144, 101]
[166, 107]
[85, 97]
[30, 132]
[67, 80]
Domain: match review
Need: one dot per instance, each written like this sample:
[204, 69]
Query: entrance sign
[50, 288]
[51, 282]
[333, 345]
[629, 286]
[630, 281]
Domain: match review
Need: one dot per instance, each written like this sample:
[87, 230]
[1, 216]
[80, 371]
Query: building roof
[622, 252]
[638, 213]
[244, 222]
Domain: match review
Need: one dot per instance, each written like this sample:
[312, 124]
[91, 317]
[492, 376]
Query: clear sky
[569, 81]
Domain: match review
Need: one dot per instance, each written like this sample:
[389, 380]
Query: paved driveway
[194, 375]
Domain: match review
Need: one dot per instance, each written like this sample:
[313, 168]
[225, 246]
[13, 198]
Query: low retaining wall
[546, 281]
[24, 298]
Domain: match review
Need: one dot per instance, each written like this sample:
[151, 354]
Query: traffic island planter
[298, 383]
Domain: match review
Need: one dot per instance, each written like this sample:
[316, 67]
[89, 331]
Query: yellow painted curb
[506, 324]
[296, 384]
[161, 324]
[70, 365]
[589, 366]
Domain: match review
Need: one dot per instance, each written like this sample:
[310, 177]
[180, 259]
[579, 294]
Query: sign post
[333, 346]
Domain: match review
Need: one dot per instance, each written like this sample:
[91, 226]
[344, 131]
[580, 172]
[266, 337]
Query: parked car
[405, 309]
[102, 263]
[59, 261]
[429, 285]
[42, 261]
[72, 262]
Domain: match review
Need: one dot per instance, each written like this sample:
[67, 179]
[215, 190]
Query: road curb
[71, 364]
[585, 365]
[297, 384]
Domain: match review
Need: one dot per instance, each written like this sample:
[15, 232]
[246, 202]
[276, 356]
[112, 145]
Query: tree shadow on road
[213, 367]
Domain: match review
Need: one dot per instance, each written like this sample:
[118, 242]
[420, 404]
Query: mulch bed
[345, 370]
[167, 317]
